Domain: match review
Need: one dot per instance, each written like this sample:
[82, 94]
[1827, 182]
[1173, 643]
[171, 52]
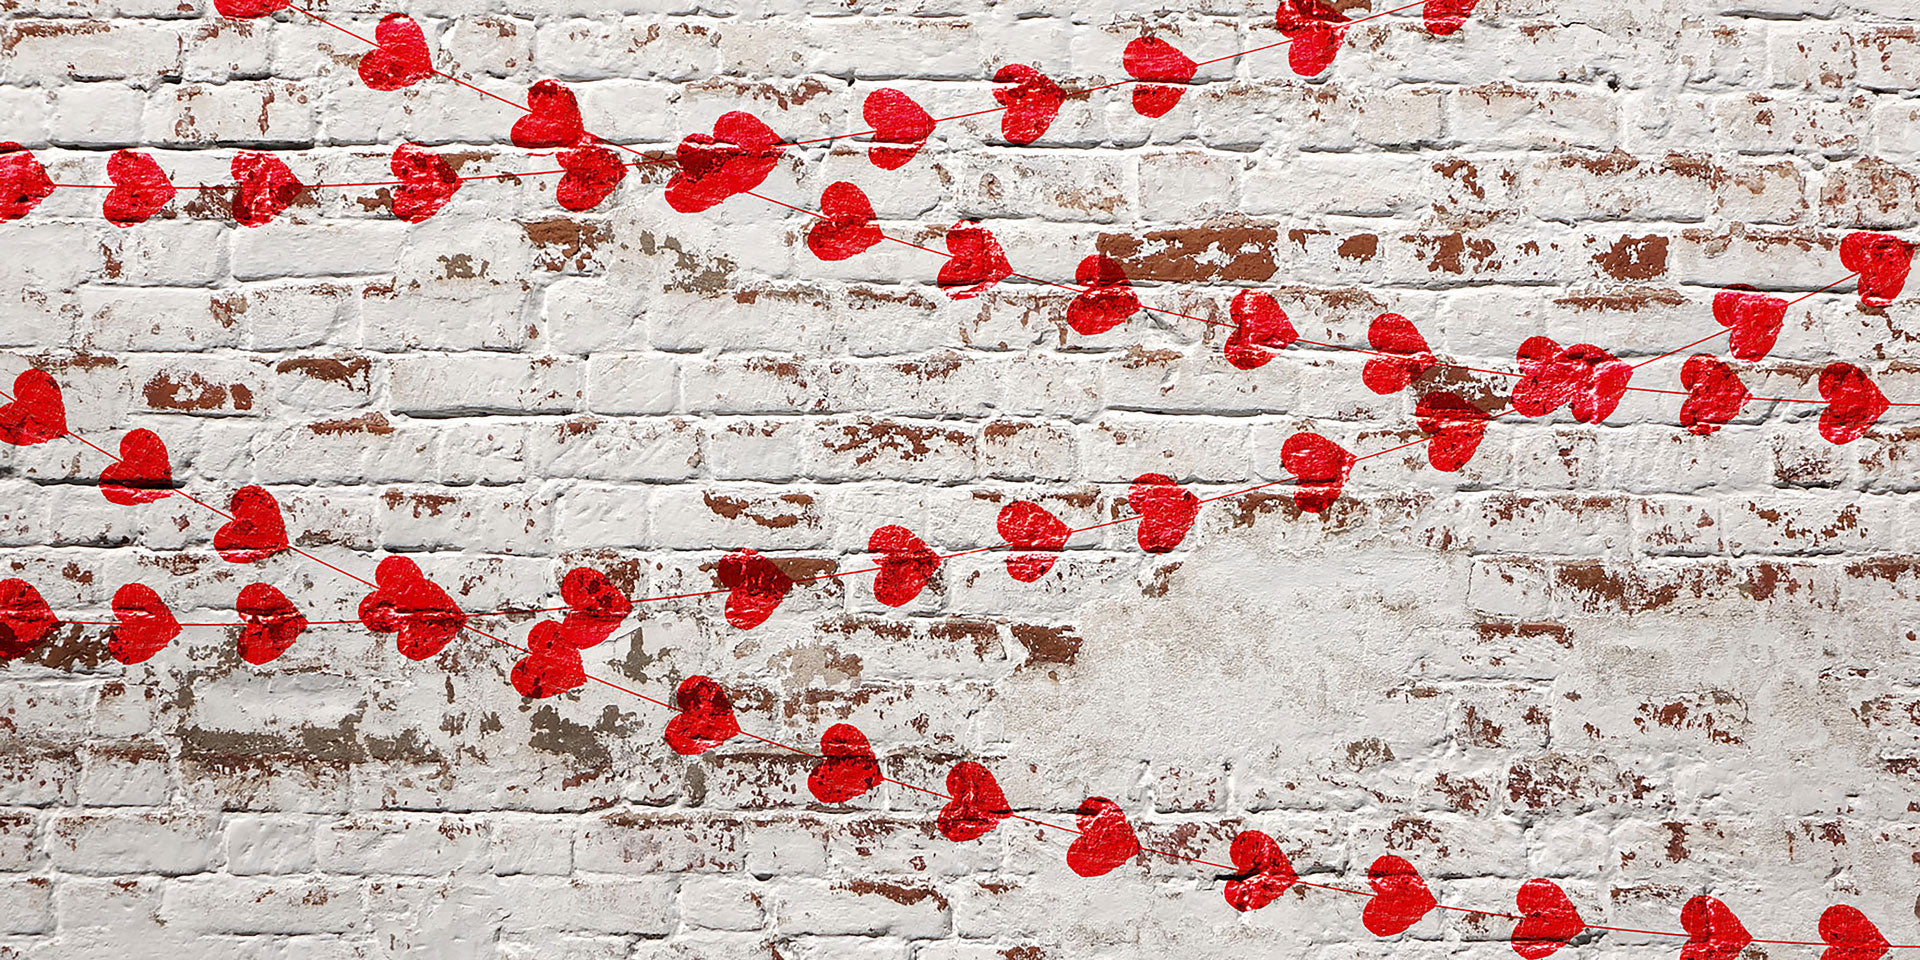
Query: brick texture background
[1645, 663]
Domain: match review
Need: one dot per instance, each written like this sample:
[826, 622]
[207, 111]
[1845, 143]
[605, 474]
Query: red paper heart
[595, 607]
[552, 120]
[1882, 261]
[1106, 839]
[25, 619]
[1447, 16]
[1715, 394]
[1713, 932]
[906, 564]
[1854, 404]
[1393, 334]
[977, 261]
[270, 623]
[247, 9]
[552, 665]
[1319, 467]
[140, 188]
[1754, 318]
[977, 805]
[267, 187]
[1457, 427]
[146, 625]
[1166, 511]
[1548, 921]
[705, 719]
[256, 531]
[1588, 378]
[1265, 872]
[1031, 101]
[1151, 58]
[23, 182]
[593, 172]
[37, 413]
[142, 474]
[1260, 327]
[1315, 29]
[736, 159]
[895, 119]
[1850, 935]
[757, 588]
[1400, 897]
[404, 602]
[847, 768]
[1106, 302]
[429, 183]
[1025, 525]
[400, 59]
[848, 228]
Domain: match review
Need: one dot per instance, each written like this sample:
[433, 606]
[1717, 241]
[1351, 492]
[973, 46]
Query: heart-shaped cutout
[977, 804]
[1108, 299]
[552, 120]
[23, 182]
[1588, 379]
[1260, 328]
[1265, 872]
[247, 9]
[146, 625]
[1166, 510]
[1445, 17]
[269, 623]
[848, 228]
[738, 157]
[1407, 354]
[1882, 261]
[256, 531]
[705, 719]
[977, 262]
[1456, 426]
[143, 473]
[756, 588]
[1400, 897]
[1106, 839]
[593, 171]
[25, 619]
[551, 667]
[1548, 920]
[422, 616]
[1320, 468]
[906, 564]
[595, 607]
[1715, 394]
[1854, 403]
[847, 768]
[1028, 526]
[1713, 932]
[267, 188]
[400, 57]
[140, 188]
[1031, 100]
[428, 183]
[1754, 319]
[1314, 30]
[1154, 59]
[1850, 935]
[37, 413]
[900, 127]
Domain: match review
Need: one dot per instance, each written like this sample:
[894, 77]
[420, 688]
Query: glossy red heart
[976, 806]
[1588, 379]
[737, 158]
[757, 588]
[593, 171]
[1407, 354]
[256, 531]
[25, 619]
[1260, 327]
[142, 474]
[1754, 318]
[1166, 511]
[1106, 302]
[270, 623]
[23, 182]
[848, 228]
[37, 413]
[1882, 261]
[405, 603]
[595, 607]
[429, 183]
[1265, 872]
[267, 188]
[1850, 935]
[551, 667]
[1456, 426]
[847, 768]
[1031, 101]
[1713, 932]
[247, 9]
[900, 127]
[1548, 920]
[552, 119]
[705, 719]
[146, 625]
[1154, 59]
[1854, 404]
[1106, 839]
[140, 188]
[400, 59]
[1320, 468]
[1715, 394]
[1026, 525]
[1447, 16]
[977, 261]
[906, 564]
[1400, 897]
[1314, 29]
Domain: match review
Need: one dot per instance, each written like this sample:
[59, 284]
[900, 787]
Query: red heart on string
[267, 187]
[757, 588]
[1106, 302]
[23, 182]
[270, 623]
[37, 413]
[1315, 29]
[142, 474]
[906, 564]
[592, 174]
[848, 228]
[404, 602]
[1754, 318]
[146, 625]
[847, 768]
[595, 607]
[1032, 101]
[1548, 920]
[705, 719]
[256, 531]
[140, 188]
[1715, 394]
[400, 58]
[977, 805]
[1151, 58]
[1260, 327]
[247, 9]
[552, 120]
[736, 159]
[1391, 333]
[1850, 935]
[1456, 426]
[1400, 897]
[1265, 872]
[551, 667]
[1588, 378]
[1166, 511]
[895, 118]
[1320, 468]
[977, 262]
[429, 183]
[25, 619]
[1713, 932]
[1025, 525]
[1882, 261]
[1447, 16]
[1106, 839]
[1854, 404]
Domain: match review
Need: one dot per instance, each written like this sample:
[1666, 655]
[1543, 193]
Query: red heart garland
[1850, 935]
[1882, 261]
[848, 228]
[592, 174]
[1854, 403]
[1151, 58]
[1025, 525]
[847, 768]
[1315, 29]
[906, 564]
[596, 607]
[247, 9]
[736, 159]
[1583, 375]
[146, 625]
[705, 719]
[1400, 897]
[977, 262]
[256, 531]
[1320, 468]
[1031, 101]
[1108, 299]
[37, 413]
[1259, 328]
[400, 57]
[1456, 426]
[405, 603]
[1715, 394]
[267, 188]
[140, 188]
[895, 118]
[757, 588]
[1391, 333]
[551, 667]
[1265, 872]
[1106, 839]
[23, 182]
[1548, 920]
[270, 623]
[142, 474]
[1444, 17]
[1754, 318]
[430, 183]
[25, 619]
[1713, 932]
[1166, 510]
[552, 120]
[977, 805]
